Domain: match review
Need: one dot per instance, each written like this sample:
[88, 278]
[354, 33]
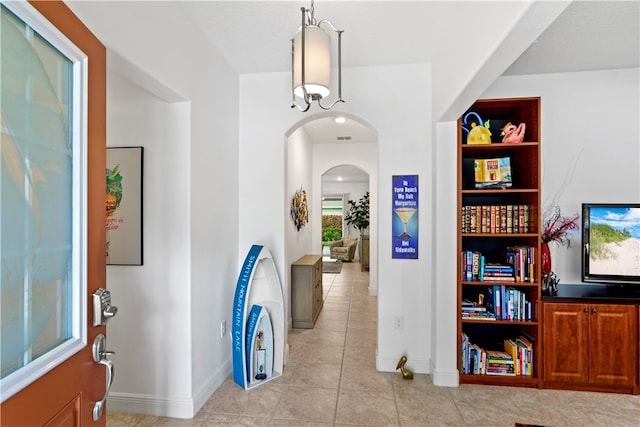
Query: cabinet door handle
[586, 310]
[594, 311]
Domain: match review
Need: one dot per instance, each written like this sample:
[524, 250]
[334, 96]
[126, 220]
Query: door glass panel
[41, 208]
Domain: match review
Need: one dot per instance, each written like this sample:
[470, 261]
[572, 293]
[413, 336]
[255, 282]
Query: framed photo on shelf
[123, 201]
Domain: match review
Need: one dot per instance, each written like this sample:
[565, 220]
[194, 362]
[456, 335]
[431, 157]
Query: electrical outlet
[398, 322]
[223, 328]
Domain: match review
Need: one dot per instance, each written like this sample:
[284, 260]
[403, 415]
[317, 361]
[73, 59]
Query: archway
[317, 144]
[339, 185]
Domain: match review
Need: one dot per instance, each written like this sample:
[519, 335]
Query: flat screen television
[611, 243]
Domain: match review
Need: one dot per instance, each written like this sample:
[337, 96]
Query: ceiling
[345, 174]
[588, 35]
[254, 37]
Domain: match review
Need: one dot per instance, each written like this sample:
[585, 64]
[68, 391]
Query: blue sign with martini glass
[405, 217]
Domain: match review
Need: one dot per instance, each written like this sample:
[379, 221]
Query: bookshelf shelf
[499, 191]
[486, 283]
[518, 381]
[496, 239]
[501, 322]
[506, 235]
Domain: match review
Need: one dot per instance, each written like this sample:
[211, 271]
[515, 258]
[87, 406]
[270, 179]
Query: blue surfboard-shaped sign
[257, 307]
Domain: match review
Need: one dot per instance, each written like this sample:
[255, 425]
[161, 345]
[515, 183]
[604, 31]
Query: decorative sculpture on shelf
[477, 132]
[512, 134]
[549, 284]
[406, 374]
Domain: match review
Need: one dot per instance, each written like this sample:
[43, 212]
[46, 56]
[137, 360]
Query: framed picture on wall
[404, 213]
[124, 206]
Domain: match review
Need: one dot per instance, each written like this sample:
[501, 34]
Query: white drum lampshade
[317, 60]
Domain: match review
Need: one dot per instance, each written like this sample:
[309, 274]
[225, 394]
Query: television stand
[581, 326]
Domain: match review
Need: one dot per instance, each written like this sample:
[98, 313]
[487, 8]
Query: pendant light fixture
[311, 62]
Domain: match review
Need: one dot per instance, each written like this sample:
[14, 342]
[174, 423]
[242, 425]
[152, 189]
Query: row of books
[523, 260]
[509, 303]
[519, 266]
[499, 302]
[516, 357]
[495, 219]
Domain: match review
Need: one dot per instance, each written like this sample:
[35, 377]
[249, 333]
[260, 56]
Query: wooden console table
[306, 291]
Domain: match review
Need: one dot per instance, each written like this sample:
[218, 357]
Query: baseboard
[160, 406]
[417, 366]
[446, 378]
[211, 385]
[164, 406]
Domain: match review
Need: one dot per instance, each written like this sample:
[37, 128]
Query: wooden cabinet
[306, 291]
[593, 345]
[493, 221]
[364, 252]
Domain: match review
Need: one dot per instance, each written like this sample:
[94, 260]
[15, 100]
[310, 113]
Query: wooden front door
[66, 394]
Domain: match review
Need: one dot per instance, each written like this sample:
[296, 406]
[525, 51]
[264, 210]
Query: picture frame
[404, 211]
[123, 203]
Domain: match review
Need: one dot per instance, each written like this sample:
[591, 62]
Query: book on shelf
[492, 173]
[470, 265]
[473, 309]
[478, 315]
[499, 363]
[511, 348]
[510, 279]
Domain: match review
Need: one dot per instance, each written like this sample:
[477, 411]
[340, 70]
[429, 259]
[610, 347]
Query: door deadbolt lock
[102, 308]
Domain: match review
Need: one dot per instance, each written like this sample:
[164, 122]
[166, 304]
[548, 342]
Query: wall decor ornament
[300, 209]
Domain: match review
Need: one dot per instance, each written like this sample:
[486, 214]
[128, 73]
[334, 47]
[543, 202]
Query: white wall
[153, 315]
[469, 62]
[444, 314]
[171, 309]
[403, 121]
[299, 175]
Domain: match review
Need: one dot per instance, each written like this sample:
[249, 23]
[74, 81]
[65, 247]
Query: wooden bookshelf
[524, 190]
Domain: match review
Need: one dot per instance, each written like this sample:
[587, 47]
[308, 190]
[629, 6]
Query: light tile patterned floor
[330, 380]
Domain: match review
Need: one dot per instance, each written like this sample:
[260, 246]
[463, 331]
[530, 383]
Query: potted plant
[358, 213]
[358, 216]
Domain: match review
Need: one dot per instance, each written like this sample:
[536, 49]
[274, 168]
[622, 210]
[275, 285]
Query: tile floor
[330, 380]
